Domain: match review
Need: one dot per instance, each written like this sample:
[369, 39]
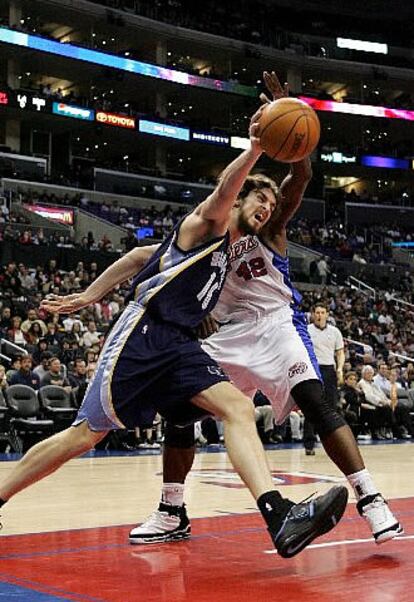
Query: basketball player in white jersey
[263, 343]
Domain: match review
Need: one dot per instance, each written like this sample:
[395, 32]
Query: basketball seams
[307, 135]
[297, 139]
[288, 135]
[279, 116]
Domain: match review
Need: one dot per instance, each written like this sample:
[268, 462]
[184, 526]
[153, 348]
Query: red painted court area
[227, 559]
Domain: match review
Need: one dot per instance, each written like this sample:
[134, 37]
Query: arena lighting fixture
[356, 109]
[387, 162]
[25, 40]
[362, 45]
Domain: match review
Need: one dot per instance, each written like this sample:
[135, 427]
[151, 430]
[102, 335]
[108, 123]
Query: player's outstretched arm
[293, 187]
[291, 193]
[118, 272]
[212, 216]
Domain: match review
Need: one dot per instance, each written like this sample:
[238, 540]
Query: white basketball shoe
[383, 524]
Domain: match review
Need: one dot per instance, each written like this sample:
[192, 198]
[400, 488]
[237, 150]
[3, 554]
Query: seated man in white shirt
[91, 336]
[387, 381]
[383, 420]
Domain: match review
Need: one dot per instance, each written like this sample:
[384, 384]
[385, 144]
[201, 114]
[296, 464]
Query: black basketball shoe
[168, 523]
[309, 519]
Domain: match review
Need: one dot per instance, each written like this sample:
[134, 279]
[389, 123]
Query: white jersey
[263, 342]
[257, 283]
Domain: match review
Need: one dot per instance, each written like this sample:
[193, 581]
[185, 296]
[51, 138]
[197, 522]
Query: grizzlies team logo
[296, 369]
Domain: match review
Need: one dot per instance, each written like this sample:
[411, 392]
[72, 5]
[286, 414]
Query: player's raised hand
[254, 130]
[67, 304]
[274, 87]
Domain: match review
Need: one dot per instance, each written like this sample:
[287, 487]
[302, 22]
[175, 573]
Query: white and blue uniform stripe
[263, 342]
[151, 360]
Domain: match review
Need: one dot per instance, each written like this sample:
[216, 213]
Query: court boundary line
[344, 542]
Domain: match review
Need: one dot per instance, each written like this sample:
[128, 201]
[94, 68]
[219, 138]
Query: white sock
[173, 493]
[362, 483]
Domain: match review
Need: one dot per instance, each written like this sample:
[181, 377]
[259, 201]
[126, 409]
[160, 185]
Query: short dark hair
[319, 304]
[350, 373]
[258, 182]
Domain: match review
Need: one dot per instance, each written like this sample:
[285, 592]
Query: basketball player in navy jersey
[263, 343]
[152, 362]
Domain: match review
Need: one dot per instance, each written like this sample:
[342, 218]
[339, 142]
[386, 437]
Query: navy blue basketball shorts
[147, 366]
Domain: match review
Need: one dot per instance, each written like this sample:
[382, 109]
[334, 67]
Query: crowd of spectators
[63, 350]
[254, 22]
[248, 25]
[360, 244]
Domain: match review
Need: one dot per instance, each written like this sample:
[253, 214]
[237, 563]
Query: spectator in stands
[264, 413]
[91, 358]
[51, 268]
[15, 365]
[52, 337]
[31, 318]
[25, 375]
[54, 375]
[117, 302]
[69, 321]
[93, 270]
[34, 334]
[296, 420]
[76, 334]
[91, 336]
[68, 352]
[43, 367]
[401, 403]
[351, 400]
[15, 334]
[26, 279]
[382, 420]
[129, 241]
[6, 319]
[26, 238]
[105, 243]
[10, 281]
[78, 376]
[3, 379]
[323, 270]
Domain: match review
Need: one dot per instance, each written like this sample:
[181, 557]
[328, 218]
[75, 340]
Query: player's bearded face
[255, 210]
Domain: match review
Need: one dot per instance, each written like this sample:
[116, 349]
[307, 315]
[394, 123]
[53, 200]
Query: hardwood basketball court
[66, 538]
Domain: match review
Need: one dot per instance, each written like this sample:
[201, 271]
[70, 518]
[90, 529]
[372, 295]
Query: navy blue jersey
[182, 287]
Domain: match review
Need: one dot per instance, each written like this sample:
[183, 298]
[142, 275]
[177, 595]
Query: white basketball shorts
[272, 354]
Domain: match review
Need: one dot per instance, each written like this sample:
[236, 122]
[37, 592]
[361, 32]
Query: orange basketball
[289, 130]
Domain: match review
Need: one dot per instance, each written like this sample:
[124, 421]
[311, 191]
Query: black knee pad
[179, 436]
[310, 398]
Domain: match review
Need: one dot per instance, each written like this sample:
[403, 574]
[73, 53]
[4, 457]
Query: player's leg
[170, 521]
[291, 526]
[309, 438]
[341, 446]
[47, 456]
